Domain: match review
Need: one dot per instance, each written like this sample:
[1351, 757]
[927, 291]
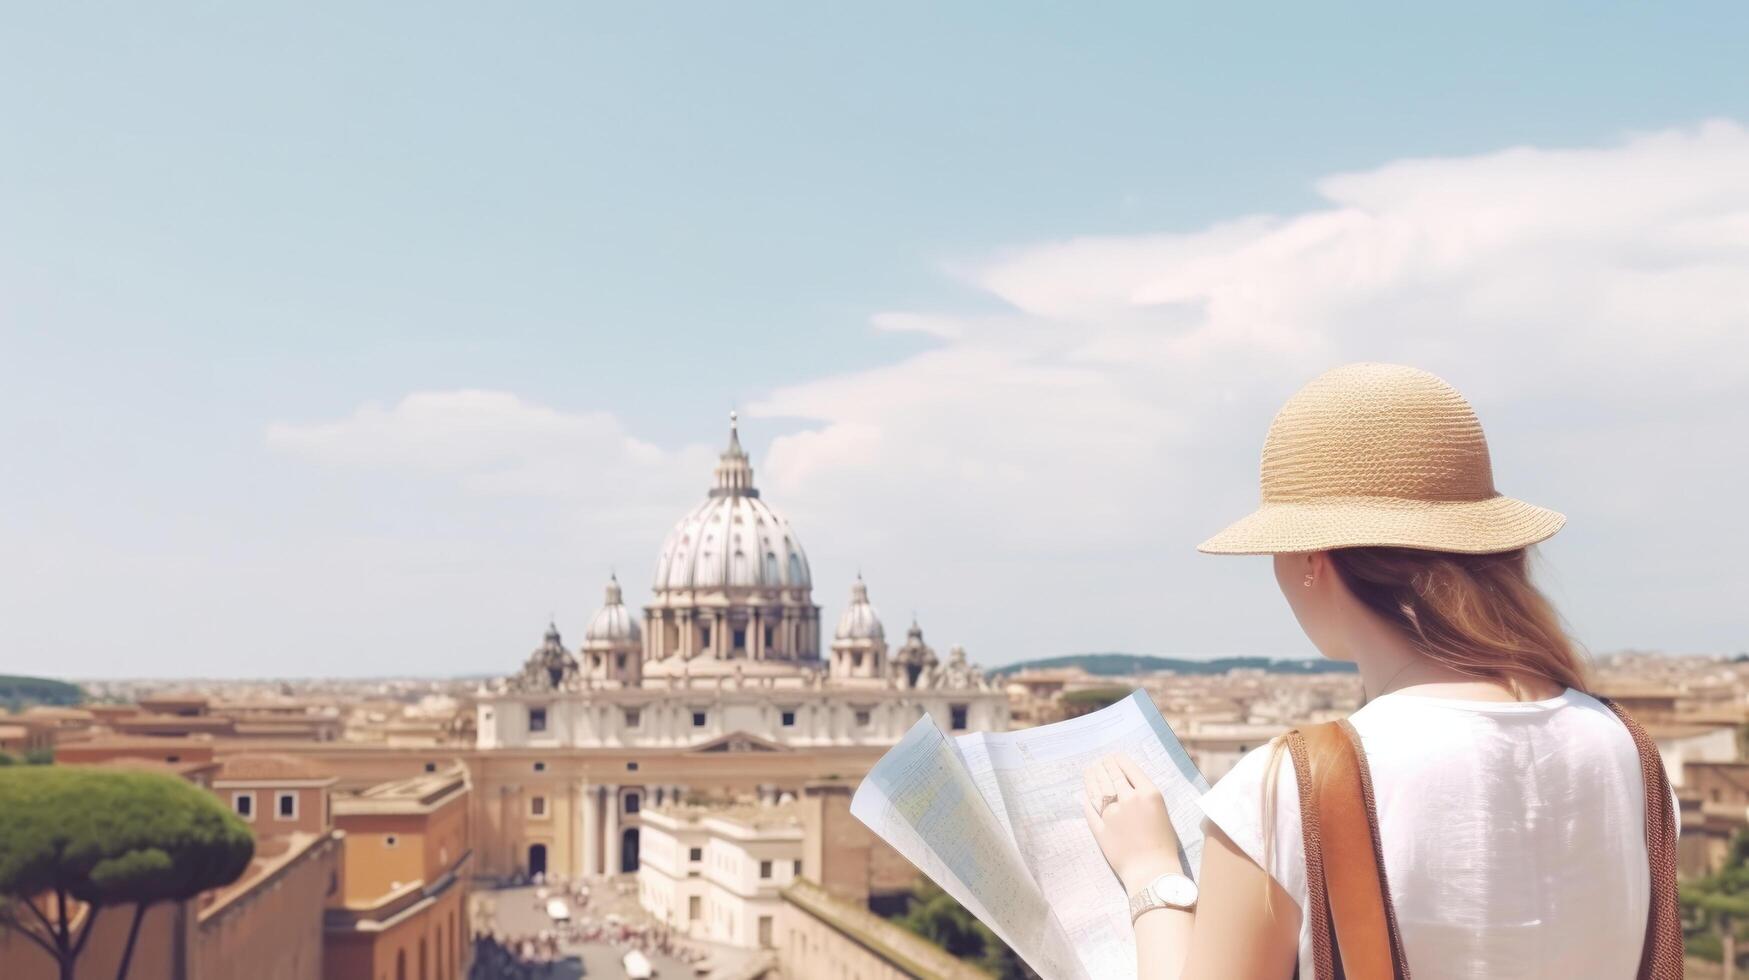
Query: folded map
[996, 821]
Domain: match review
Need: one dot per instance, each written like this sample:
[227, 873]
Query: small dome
[613, 622]
[860, 620]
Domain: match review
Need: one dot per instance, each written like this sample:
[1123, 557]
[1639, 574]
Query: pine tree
[100, 838]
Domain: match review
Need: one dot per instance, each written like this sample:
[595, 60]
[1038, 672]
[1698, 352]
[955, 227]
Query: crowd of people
[510, 958]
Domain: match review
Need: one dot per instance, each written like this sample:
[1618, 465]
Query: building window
[431, 767]
[619, 661]
[765, 930]
[244, 804]
[862, 717]
[537, 806]
[765, 870]
[633, 801]
[173, 758]
[698, 719]
[704, 637]
[537, 719]
[631, 767]
[693, 913]
[287, 806]
[740, 639]
[797, 871]
[697, 853]
[957, 713]
[770, 637]
[391, 840]
[633, 717]
[789, 719]
[540, 767]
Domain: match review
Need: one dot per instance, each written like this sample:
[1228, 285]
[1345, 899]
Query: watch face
[1175, 890]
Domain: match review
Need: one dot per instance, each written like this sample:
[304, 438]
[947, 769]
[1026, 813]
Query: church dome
[613, 622]
[860, 620]
[733, 540]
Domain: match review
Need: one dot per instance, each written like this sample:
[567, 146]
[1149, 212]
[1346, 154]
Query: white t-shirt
[1513, 834]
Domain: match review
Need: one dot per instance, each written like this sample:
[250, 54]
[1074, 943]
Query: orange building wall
[441, 928]
[446, 838]
[373, 865]
[312, 806]
[426, 846]
[154, 951]
[275, 931]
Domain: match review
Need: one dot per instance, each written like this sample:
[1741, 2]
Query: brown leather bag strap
[1354, 927]
[1317, 911]
[1661, 954]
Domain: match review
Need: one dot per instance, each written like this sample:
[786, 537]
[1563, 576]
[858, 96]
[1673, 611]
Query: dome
[613, 622]
[860, 620]
[734, 539]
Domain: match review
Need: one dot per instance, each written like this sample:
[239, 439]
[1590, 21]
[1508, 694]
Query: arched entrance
[628, 851]
[537, 859]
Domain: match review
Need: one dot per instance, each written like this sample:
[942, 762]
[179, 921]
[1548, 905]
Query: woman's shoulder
[1243, 806]
[1236, 801]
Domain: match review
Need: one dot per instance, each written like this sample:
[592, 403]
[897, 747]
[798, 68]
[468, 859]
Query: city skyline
[361, 353]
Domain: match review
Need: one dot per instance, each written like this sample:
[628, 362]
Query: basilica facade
[729, 647]
[726, 658]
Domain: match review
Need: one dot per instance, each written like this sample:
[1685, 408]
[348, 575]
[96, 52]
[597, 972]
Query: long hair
[1480, 615]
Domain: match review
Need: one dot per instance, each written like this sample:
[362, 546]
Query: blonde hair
[1479, 615]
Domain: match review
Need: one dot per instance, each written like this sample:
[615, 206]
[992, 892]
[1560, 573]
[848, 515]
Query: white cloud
[1036, 481]
[1594, 303]
[497, 444]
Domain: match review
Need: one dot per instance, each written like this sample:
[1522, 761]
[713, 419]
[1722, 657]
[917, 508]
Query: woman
[1510, 805]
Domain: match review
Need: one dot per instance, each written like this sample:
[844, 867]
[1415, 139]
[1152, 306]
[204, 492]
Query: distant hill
[1125, 664]
[22, 692]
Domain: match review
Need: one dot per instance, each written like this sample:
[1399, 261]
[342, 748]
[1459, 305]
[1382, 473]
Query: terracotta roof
[256, 767]
[183, 769]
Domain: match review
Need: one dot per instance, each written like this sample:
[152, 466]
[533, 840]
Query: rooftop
[272, 856]
[183, 769]
[746, 813]
[415, 794]
[261, 767]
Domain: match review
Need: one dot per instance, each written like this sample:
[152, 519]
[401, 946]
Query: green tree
[1090, 699]
[40, 757]
[1717, 908]
[934, 915]
[106, 838]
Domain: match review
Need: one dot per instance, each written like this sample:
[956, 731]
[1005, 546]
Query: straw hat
[1380, 454]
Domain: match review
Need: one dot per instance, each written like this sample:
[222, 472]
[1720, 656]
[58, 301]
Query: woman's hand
[1130, 822]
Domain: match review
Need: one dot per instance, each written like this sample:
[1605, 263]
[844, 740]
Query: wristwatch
[1169, 891]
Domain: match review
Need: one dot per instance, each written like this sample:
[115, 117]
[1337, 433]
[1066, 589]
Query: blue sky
[220, 224]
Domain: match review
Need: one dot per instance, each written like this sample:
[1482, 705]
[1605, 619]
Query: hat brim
[1464, 526]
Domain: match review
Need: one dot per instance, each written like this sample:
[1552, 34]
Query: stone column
[507, 834]
[591, 830]
[610, 850]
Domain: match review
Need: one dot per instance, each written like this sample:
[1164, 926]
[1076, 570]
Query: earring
[1308, 582]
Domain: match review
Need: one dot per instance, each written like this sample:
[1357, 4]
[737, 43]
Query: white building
[729, 647]
[715, 873]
